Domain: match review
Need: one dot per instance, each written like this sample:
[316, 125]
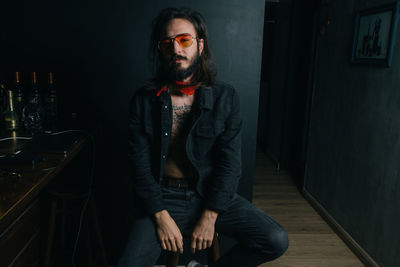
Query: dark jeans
[260, 238]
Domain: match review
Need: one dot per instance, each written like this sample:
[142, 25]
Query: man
[185, 154]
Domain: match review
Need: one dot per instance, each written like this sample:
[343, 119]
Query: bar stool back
[59, 207]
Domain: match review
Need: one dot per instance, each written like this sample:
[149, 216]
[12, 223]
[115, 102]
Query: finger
[193, 245]
[205, 244]
[179, 245]
[199, 244]
[168, 244]
[173, 245]
[179, 242]
[209, 243]
[164, 247]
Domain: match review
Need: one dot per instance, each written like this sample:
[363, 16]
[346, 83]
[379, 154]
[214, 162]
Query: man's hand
[168, 232]
[203, 232]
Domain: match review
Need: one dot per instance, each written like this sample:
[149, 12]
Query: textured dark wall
[98, 50]
[354, 145]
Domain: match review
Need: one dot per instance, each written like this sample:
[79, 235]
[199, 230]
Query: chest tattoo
[179, 118]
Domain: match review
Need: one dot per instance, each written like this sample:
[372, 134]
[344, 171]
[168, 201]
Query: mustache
[175, 57]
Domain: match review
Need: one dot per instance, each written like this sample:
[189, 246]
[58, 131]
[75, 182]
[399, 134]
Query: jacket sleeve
[228, 168]
[139, 153]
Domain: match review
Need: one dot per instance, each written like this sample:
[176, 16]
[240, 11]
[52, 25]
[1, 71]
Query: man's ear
[201, 45]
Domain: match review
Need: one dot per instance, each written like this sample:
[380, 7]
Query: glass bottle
[10, 115]
[33, 112]
[3, 98]
[51, 105]
[19, 104]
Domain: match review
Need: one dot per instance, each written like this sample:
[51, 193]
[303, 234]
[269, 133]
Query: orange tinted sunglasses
[184, 40]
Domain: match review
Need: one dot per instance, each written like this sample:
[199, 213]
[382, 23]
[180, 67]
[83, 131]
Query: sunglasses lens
[184, 40]
[165, 44]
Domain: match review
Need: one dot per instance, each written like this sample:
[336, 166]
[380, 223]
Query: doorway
[286, 83]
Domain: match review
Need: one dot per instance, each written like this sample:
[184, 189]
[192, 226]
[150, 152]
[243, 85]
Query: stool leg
[213, 253]
[172, 259]
[98, 231]
[50, 235]
[62, 238]
[88, 242]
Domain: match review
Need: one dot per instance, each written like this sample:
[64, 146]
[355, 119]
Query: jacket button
[163, 156]
[165, 134]
[166, 107]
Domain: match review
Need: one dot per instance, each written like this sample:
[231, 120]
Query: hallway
[312, 241]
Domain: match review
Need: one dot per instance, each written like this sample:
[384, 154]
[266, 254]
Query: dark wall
[98, 50]
[354, 145]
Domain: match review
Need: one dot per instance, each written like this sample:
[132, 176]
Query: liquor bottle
[3, 97]
[33, 113]
[10, 115]
[19, 104]
[51, 106]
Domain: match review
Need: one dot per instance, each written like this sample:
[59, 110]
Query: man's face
[176, 57]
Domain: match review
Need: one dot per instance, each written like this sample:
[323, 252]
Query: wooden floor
[312, 243]
[311, 240]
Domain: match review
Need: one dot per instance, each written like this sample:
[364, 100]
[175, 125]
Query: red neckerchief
[184, 87]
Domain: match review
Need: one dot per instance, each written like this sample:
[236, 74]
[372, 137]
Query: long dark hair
[205, 73]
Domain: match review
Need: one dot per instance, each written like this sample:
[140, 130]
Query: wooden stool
[61, 199]
[213, 253]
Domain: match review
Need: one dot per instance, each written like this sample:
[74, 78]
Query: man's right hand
[168, 232]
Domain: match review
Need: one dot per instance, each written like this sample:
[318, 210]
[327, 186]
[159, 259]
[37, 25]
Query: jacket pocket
[203, 141]
[211, 130]
[205, 131]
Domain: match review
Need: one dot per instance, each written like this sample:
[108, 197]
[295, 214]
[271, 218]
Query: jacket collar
[206, 98]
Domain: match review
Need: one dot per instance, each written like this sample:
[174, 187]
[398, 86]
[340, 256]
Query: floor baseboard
[364, 257]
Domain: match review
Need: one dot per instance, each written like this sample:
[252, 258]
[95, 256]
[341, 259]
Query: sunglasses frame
[172, 40]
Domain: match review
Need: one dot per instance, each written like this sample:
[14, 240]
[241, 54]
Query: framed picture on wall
[374, 34]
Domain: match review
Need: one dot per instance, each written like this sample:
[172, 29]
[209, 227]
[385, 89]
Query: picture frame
[374, 34]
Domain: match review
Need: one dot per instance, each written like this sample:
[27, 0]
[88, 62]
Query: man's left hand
[203, 232]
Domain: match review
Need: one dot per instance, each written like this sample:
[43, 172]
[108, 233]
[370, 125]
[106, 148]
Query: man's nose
[177, 47]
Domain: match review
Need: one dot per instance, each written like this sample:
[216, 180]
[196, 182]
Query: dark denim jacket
[213, 144]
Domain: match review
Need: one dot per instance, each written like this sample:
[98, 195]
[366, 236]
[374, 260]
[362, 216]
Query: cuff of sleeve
[219, 204]
[214, 208]
[219, 200]
[154, 205]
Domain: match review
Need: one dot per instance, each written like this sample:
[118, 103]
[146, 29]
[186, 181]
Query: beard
[172, 71]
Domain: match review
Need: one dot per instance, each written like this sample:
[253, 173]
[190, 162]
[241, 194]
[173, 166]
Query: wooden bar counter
[22, 179]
